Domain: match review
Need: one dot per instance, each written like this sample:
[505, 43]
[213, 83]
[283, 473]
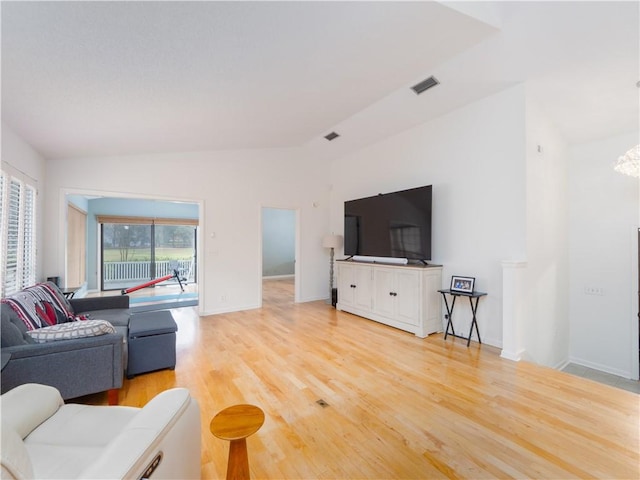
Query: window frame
[18, 232]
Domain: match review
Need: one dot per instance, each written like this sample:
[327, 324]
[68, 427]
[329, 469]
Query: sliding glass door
[135, 253]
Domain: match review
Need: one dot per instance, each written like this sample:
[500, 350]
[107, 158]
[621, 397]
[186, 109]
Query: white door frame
[297, 267]
[62, 230]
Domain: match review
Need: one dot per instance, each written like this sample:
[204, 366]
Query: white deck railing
[139, 271]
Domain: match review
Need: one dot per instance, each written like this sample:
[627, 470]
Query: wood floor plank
[399, 406]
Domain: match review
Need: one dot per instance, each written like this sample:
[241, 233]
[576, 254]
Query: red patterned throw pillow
[40, 306]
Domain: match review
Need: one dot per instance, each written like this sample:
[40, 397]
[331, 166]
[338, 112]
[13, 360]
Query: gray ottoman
[152, 342]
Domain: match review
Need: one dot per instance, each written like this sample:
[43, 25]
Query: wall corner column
[513, 274]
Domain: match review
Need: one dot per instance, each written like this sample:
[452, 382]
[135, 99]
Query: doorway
[101, 207]
[279, 232]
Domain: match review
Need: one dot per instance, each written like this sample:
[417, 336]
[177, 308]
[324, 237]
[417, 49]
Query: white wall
[546, 309]
[231, 188]
[475, 159]
[604, 215]
[19, 159]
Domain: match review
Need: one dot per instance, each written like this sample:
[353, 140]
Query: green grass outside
[144, 254]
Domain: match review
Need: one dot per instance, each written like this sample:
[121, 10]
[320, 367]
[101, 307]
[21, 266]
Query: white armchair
[45, 439]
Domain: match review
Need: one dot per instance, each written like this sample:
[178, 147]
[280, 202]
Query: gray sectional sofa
[77, 366]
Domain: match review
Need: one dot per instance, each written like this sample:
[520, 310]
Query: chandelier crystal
[629, 163]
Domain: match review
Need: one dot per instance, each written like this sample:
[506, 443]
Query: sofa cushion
[81, 433]
[41, 305]
[118, 317]
[51, 461]
[13, 331]
[66, 331]
[86, 425]
[11, 335]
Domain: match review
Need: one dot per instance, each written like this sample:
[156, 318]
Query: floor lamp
[332, 242]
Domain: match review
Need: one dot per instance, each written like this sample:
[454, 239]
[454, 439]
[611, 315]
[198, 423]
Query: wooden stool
[235, 424]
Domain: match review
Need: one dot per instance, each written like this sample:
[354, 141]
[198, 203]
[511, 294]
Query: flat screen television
[396, 224]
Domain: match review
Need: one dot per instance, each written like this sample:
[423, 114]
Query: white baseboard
[277, 277]
[513, 356]
[560, 365]
[603, 368]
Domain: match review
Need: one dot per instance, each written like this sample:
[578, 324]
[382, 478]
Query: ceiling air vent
[331, 136]
[425, 85]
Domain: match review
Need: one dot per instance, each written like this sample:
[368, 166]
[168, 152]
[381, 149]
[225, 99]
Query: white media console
[401, 296]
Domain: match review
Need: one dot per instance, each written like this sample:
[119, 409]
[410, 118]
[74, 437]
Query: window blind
[146, 220]
[18, 229]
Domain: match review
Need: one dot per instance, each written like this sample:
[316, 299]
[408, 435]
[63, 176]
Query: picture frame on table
[462, 284]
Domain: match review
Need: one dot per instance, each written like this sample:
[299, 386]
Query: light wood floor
[399, 406]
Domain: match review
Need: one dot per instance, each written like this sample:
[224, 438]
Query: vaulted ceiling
[110, 78]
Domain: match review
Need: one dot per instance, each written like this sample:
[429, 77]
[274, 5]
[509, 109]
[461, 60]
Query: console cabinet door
[354, 284]
[397, 294]
[407, 298]
[384, 287]
[346, 282]
[363, 290]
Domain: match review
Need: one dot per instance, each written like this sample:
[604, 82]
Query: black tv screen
[394, 224]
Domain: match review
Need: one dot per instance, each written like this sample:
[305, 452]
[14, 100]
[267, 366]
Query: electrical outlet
[594, 290]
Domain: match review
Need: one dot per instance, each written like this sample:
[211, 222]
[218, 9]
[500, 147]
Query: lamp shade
[332, 241]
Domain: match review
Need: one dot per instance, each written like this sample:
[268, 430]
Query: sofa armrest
[27, 406]
[99, 303]
[75, 367]
[168, 425]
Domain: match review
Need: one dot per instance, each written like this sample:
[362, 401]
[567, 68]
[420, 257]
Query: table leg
[449, 315]
[238, 463]
[474, 308]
